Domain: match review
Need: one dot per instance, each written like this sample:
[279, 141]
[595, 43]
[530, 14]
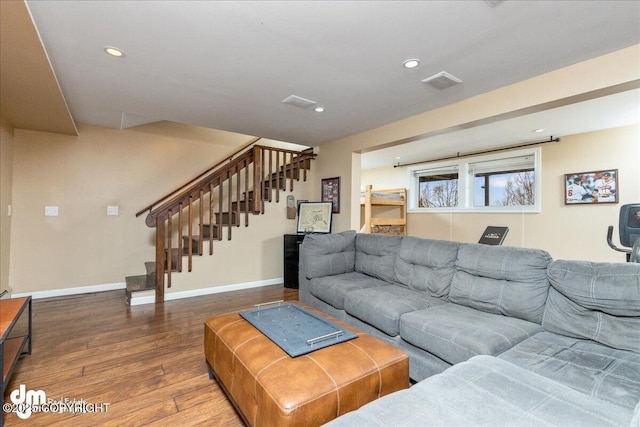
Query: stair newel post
[201, 222]
[180, 245]
[229, 210]
[190, 235]
[169, 245]
[246, 193]
[211, 218]
[160, 260]
[270, 175]
[257, 180]
[298, 167]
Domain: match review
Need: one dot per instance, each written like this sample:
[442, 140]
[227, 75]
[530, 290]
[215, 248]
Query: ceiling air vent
[298, 101]
[442, 80]
[493, 3]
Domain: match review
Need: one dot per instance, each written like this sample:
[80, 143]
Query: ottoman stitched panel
[270, 388]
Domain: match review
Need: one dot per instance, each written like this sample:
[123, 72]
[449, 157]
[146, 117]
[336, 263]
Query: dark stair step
[140, 283]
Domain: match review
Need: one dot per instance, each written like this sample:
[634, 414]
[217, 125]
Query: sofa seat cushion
[455, 333]
[591, 368]
[486, 391]
[334, 289]
[382, 306]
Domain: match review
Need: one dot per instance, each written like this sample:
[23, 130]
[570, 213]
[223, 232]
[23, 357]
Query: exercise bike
[629, 228]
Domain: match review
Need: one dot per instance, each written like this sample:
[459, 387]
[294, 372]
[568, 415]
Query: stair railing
[240, 184]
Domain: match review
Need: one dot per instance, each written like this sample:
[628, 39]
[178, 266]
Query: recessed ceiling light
[538, 130]
[411, 63]
[319, 109]
[114, 51]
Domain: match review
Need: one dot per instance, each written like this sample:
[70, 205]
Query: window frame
[466, 183]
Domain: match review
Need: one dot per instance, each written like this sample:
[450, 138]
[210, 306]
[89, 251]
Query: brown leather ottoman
[270, 388]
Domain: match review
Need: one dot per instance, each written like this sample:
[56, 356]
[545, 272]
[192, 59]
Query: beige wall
[597, 77]
[6, 181]
[128, 168]
[569, 232]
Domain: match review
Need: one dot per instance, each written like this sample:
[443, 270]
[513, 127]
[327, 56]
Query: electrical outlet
[9, 211]
[112, 210]
[50, 211]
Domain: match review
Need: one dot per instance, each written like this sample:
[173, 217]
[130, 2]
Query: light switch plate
[50, 211]
[112, 210]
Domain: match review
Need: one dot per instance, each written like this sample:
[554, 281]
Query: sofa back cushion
[596, 301]
[501, 280]
[376, 255]
[426, 265]
[328, 254]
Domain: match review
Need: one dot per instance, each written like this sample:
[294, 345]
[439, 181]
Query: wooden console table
[14, 337]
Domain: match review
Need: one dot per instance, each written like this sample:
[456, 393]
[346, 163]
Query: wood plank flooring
[146, 362]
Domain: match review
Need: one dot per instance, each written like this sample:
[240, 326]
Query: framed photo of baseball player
[591, 187]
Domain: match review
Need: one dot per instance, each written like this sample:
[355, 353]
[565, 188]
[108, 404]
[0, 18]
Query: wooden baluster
[190, 236]
[257, 179]
[238, 195]
[229, 210]
[201, 224]
[305, 166]
[277, 176]
[160, 241]
[298, 167]
[246, 193]
[219, 221]
[211, 218]
[169, 244]
[270, 175]
[290, 171]
[263, 186]
[180, 240]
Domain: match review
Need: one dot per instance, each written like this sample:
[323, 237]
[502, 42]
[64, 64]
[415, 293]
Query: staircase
[214, 202]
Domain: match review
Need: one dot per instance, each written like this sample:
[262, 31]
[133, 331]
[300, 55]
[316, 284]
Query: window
[438, 188]
[501, 182]
[504, 182]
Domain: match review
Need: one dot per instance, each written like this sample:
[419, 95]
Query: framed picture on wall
[331, 192]
[591, 187]
[314, 217]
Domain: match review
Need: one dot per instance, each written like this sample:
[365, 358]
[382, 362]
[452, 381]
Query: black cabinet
[291, 258]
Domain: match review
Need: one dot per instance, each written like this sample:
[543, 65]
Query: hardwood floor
[146, 362]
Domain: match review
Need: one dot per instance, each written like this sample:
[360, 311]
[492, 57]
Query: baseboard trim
[72, 291]
[150, 299]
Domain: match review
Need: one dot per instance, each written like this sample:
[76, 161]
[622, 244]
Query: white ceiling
[228, 64]
[606, 112]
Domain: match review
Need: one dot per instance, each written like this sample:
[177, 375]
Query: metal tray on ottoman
[295, 329]
[270, 388]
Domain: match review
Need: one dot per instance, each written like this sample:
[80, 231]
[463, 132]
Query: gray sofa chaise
[544, 342]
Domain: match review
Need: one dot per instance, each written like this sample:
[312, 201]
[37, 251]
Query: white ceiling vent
[493, 3]
[298, 101]
[442, 80]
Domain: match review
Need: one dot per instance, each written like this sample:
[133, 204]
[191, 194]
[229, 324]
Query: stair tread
[140, 283]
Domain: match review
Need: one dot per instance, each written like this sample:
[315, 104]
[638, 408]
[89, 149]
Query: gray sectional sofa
[495, 335]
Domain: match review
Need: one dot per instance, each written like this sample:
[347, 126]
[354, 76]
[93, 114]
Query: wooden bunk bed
[396, 198]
